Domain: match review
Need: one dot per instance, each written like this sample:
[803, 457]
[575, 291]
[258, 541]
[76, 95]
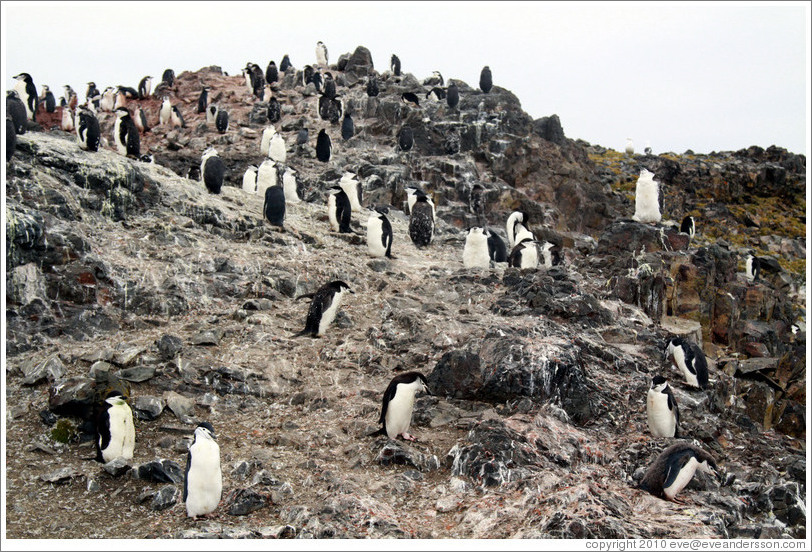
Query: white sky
[703, 76]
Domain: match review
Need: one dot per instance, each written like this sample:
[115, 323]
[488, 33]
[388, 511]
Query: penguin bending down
[496, 248]
[662, 409]
[274, 207]
[516, 228]
[249, 179]
[125, 134]
[88, 132]
[689, 359]
[203, 480]
[398, 404]
[339, 210]
[475, 253]
[323, 307]
[379, 233]
[524, 255]
[212, 170]
[674, 468]
[646, 199]
[352, 188]
[115, 432]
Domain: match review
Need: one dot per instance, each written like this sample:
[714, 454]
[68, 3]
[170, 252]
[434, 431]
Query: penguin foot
[408, 437]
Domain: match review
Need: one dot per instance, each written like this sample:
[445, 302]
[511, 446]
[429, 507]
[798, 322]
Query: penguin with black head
[323, 307]
[203, 480]
[674, 468]
[115, 431]
[398, 404]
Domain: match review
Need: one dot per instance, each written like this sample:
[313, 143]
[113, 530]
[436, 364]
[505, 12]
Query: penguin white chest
[749, 268]
[276, 149]
[399, 410]
[375, 236]
[165, 113]
[330, 312]
[204, 481]
[122, 433]
[661, 420]
[331, 212]
[265, 143]
[683, 478]
[475, 252]
[530, 256]
[249, 181]
[266, 177]
[289, 187]
[681, 362]
[646, 204]
[121, 144]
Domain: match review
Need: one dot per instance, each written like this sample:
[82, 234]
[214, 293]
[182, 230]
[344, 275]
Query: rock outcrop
[128, 275]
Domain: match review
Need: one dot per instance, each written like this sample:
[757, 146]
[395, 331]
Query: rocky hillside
[127, 274]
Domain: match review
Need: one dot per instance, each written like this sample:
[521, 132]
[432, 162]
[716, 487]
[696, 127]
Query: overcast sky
[701, 76]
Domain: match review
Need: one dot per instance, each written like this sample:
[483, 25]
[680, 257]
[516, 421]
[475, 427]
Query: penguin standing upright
[125, 134]
[271, 73]
[339, 210]
[15, 108]
[412, 193]
[92, 91]
[629, 146]
[289, 186]
[394, 65]
[27, 92]
[349, 183]
[323, 307]
[266, 176]
[379, 233]
[249, 179]
[221, 121]
[176, 118]
[212, 170]
[496, 248]
[274, 110]
[689, 359]
[203, 480]
[421, 222]
[165, 113]
[307, 75]
[141, 120]
[68, 123]
[525, 255]
[405, 139]
[347, 127]
[329, 86]
[688, 226]
[168, 77]
[485, 80]
[273, 209]
[144, 87]
[11, 138]
[203, 100]
[265, 142]
[277, 150]
[646, 199]
[398, 403]
[115, 431]
[88, 132]
[108, 99]
[321, 53]
[475, 253]
[48, 99]
[752, 267]
[372, 86]
[662, 409]
[285, 64]
[674, 468]
[211, 114]
[452, 95]
[324, 146]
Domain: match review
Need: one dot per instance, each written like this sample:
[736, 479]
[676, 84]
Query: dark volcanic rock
[244, 501]
[162, 471]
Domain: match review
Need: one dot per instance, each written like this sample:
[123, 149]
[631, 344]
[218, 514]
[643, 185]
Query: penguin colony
[276, 183]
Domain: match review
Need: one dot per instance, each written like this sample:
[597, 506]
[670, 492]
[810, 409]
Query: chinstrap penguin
[646, 199]
[323, 307]
[421, 222]
[674, 468]
[475, 253]
[398, 403]
[115, 431]
[212, 171]
[339, 210]
[661, 409]
[689, 359]
[125, 134]
[203, 480]
[379, 233]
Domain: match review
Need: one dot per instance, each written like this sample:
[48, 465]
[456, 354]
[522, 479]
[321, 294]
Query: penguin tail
[381, 431]
[305, 296]
[301, 333]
